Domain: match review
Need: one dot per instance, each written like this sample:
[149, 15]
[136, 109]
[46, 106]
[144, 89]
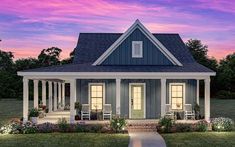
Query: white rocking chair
[169, 112]
[188, 112]
[107, 111]
[85, 112]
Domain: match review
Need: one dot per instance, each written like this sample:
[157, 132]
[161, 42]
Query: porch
[57, 91]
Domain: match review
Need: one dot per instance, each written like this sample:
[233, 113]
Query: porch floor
[54, 116]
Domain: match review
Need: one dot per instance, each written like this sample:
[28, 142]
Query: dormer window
[137, 49]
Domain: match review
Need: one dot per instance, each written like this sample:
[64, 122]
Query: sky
[28, 26]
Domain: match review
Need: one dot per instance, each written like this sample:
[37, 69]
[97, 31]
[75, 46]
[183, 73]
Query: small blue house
[142, 75]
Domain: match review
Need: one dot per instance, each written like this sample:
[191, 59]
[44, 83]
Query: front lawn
[196, 139]
[66, 140]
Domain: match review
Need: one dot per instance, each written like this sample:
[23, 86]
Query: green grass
[65, 140]
[204, 139]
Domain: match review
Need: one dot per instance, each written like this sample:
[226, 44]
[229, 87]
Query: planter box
[34, 120]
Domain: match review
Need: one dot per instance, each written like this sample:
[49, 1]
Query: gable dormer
[137, 46]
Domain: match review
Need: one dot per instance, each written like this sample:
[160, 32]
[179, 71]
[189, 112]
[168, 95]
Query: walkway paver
[146, 139]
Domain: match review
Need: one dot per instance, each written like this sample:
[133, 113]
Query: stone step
[142, 128]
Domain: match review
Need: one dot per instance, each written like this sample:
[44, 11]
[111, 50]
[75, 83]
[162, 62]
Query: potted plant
[47, 110]
[33, 114]
[78, 107]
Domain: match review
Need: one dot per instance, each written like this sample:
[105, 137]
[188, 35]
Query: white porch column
[55, 96]
[59, 95]
[197, 91]
[50, 96]
[44, 102]
[63, 94]
[118, 92]
[72, 99]
[25, 99]
[35, 93]
[163, 96]
[207, 99]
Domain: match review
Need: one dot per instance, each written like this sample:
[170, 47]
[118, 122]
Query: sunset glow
[28, 26]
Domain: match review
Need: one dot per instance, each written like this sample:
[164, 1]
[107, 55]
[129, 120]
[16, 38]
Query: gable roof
[150, 36]
[91, 46]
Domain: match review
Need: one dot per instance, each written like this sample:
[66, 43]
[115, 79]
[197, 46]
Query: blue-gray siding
[110, 91]
[190, 89]
[153, 94]
[123, 53]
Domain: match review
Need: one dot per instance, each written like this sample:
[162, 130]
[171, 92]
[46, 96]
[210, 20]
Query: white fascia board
[148, 34]
[108, 75]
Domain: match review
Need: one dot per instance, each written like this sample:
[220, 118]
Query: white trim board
[148, 34]
[130, 84]
[184, 92]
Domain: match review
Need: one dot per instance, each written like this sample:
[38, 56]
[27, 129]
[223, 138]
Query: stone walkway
[146, 139]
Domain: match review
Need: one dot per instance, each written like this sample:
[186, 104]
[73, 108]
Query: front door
[137, 95]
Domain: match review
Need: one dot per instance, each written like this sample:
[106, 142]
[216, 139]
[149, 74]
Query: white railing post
[207, 99]
[72, 99]
[59, 95]
[25, 99]
[163, 96]
[50, 96]
[63, 94]
[35, 93]
[118, 92]
[55, 96]
[198, 86]
[44, 102]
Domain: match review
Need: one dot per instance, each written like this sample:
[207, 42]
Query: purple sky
[28, 26]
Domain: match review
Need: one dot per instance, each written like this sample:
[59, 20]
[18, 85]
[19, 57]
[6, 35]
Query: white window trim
[184, 92]
[141, 49]
[89, 94]
[130, 84]
[148, 34]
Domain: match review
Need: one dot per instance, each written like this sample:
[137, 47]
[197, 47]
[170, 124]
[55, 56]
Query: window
[137, 93]
[96, 96]
[177, 91]
[137, 49]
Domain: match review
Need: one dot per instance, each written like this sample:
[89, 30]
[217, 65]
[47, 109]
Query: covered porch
[57, 92]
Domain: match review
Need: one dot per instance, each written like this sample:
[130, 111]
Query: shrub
[11, 128]
[225, 94]
[28, 128]
[34, 112]
[118, 124]
[222, 124]
[63, 125]
[166, 124]
[201, 126]
[181, 127]
[96, 128]
[46, 127]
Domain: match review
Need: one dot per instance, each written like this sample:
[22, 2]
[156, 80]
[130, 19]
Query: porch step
[142, 128]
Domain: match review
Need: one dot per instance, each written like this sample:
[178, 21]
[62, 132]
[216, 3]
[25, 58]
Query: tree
[70, 59]
[199, 52]
[226, 73]
[50, 56]
[6, 61]
[26, 63]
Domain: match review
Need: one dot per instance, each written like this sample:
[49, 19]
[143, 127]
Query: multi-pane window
[96, 93]
[137, 93]
[137, 49]
[177, 97]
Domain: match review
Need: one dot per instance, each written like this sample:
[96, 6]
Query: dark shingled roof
[91, 46]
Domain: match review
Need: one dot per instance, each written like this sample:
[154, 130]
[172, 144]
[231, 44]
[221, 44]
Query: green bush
[29, 128]
[12, 128]
[181, 127]
[225, 94]
[201, 126]
[118, 124]
[166, 124]
[63, 125]
[222, 124]
[34, 112]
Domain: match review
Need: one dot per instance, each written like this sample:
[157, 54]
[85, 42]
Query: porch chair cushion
[85, 112]
[188, 112]
[107, 111]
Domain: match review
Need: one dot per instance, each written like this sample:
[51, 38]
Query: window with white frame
[96, 96]
[137, 94]
[137, 49]
[176, 95]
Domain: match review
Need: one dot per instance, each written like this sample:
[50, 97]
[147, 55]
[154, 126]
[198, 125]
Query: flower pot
[34, 120]
[77, 117]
